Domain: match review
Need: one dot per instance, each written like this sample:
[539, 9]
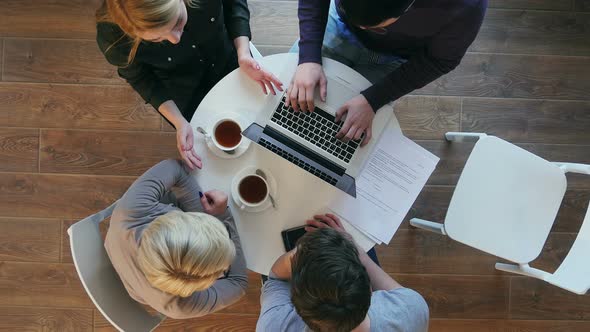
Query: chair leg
[512, 268]
[428, 225]
[523, 269]
[453, 136]
[573, 167]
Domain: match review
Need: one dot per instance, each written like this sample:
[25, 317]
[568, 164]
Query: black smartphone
[290, 236]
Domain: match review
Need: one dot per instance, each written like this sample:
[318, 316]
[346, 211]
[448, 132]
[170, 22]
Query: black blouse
[164, 71]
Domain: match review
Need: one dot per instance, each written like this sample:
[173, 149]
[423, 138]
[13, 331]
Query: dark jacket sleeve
[443, 54]
[313, 17]
[116, 47]
[237, 18]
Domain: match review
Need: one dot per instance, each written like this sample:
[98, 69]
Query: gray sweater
[163, 188]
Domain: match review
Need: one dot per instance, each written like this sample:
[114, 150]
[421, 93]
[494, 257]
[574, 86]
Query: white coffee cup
[253, 191]
[222, 130]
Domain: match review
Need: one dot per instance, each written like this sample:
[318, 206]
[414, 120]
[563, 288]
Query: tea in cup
[253, 191]
[227, 135]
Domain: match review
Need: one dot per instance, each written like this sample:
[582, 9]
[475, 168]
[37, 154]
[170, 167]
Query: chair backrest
[574, 272]
[255, 53]
[100, 279]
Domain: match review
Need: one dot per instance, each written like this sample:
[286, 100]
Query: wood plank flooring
[73, 137]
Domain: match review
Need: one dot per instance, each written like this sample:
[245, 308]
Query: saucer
[272, 183]
[244, 144]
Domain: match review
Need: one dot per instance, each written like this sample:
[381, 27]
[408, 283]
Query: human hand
[359, 119]
[214, 202]
[266, 80]
[302, 89]
[327, 220]
[185, 144]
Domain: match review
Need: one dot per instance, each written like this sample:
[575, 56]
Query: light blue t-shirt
[398, 310]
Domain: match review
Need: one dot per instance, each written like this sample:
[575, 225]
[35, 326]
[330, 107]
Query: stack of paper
[387, 186]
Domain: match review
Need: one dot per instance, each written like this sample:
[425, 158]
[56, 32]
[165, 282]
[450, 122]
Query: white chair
[255, 53]
[505, 204]
[100, 280]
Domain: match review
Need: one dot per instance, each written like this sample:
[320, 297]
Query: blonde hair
[184, 252]
[135, 16]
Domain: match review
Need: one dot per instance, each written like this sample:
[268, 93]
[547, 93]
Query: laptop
[307, 139]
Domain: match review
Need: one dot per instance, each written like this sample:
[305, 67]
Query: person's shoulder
[400, 294]
[276, 291]
[276, 298]
[455, 7]
[465, 12]
[113, 43]
[471, 7]
[281, 317]
[107, 32]
[401, 307]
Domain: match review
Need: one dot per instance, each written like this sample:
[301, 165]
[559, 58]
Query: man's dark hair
[369, 13]
[330, 288]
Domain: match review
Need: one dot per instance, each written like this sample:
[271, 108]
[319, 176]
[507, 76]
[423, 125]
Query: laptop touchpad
[338, 93]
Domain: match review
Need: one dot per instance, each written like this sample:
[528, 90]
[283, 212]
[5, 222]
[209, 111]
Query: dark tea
[228, 134]
[252, 189]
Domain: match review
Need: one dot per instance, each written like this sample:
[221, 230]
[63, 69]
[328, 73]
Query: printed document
[388, 185]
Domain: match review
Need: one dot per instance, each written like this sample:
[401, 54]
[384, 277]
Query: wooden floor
[73, 137]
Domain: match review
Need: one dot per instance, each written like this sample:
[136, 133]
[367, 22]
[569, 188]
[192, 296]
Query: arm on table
[281, 269]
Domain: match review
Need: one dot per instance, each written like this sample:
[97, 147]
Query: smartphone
[290, 236]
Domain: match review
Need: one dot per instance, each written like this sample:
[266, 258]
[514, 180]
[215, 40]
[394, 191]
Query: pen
[201, 196]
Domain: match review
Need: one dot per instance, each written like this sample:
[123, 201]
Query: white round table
[300, 195]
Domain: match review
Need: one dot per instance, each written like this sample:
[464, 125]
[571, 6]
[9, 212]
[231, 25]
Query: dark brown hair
[330, 288]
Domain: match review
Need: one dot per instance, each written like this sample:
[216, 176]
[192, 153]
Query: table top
[299, 195]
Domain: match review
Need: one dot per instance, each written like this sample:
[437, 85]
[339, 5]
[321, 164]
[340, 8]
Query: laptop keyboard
[318, 128]
[301, 163]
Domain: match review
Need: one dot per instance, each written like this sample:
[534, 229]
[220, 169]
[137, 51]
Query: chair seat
[506, 201]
